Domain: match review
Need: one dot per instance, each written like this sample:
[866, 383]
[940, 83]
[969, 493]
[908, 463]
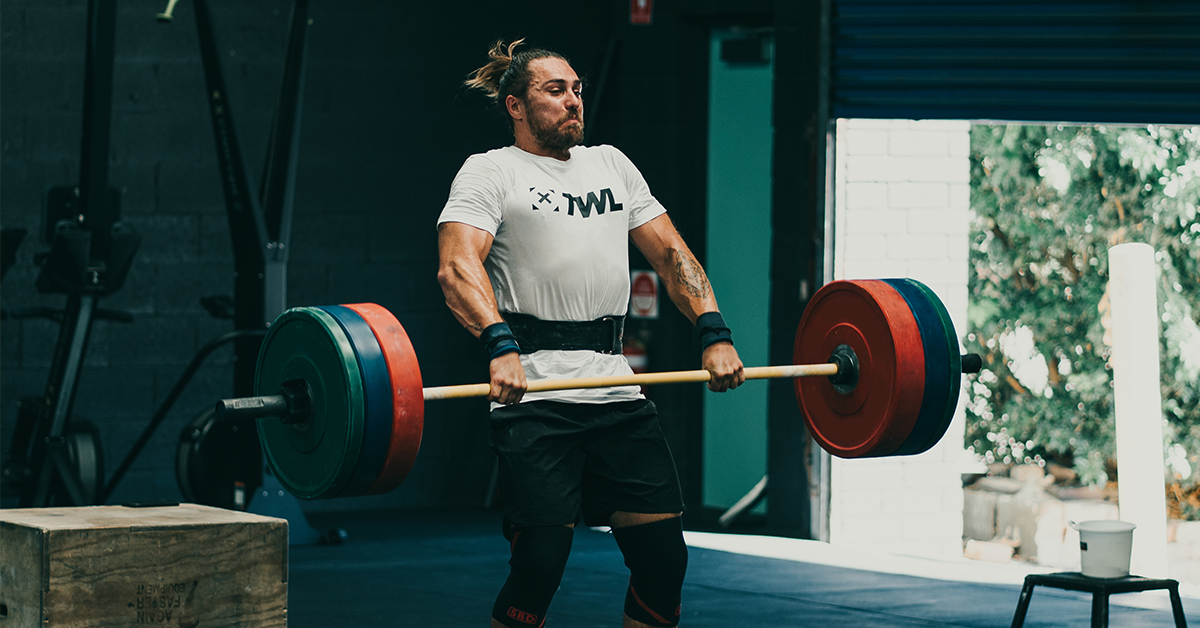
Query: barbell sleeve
[293, 404]
[972, 363]
[245, 408]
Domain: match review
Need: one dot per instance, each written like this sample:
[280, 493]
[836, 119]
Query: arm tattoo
[691, 276]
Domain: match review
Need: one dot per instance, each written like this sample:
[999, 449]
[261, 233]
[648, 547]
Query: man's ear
[515, 107]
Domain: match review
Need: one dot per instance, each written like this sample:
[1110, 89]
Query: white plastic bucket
[1104, 547]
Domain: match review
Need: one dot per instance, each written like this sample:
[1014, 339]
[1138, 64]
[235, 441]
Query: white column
[1138, 404]
[902, 193]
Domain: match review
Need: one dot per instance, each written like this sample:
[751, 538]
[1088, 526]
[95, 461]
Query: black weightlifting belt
[602, 335]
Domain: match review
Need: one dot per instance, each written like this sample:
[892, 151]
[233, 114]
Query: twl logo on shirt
[598, 202]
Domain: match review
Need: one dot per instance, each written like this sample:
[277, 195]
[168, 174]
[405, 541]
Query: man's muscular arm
[689, 289]
[461, 251]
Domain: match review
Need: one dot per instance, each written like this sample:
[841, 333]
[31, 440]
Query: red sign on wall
[643, 294]
[641, 11]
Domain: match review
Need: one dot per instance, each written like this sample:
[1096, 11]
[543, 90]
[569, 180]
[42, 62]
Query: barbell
[340, 411]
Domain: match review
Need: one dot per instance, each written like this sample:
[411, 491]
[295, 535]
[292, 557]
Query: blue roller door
[1118, 62]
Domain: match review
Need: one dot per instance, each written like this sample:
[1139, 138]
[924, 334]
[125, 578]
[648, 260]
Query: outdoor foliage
[1048, 202]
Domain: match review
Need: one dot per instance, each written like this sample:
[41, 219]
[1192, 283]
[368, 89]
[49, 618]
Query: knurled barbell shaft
[636, 379]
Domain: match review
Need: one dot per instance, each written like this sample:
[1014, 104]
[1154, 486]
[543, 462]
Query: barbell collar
[298, 396]
[972, 363]
[846, 377]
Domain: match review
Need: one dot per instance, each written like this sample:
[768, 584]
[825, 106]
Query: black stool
[1100, 588]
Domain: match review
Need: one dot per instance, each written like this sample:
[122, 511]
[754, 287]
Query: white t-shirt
[560, 247]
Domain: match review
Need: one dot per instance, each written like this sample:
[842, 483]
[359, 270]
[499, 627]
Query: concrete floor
[406, 569]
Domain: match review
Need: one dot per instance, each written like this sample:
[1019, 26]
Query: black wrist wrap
[712, 329]
[498, 339]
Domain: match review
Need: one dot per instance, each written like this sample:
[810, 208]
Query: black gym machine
[91, 252]
[52, 459]
[221, 463]
[218, 463]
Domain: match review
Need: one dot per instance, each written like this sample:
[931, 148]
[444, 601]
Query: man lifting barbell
[533, 247]
[876, 362]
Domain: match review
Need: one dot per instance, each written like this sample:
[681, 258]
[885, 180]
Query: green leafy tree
[1048, 202]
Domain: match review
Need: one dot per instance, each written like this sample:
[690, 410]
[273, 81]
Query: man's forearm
[686, 283]
[680, 271]
[469, 297]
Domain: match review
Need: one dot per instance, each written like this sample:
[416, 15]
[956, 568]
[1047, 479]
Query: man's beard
[553, 136]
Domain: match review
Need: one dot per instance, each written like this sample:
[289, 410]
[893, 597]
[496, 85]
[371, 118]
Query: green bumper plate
[955, 373]
[315, 459]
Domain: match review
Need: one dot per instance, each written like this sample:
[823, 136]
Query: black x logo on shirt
[543, 198]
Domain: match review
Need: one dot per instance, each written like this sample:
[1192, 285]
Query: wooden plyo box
[188, 566]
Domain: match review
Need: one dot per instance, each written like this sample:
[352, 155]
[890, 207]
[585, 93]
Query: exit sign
[641, 11]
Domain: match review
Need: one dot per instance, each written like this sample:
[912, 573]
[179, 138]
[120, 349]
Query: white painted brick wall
[902, 197]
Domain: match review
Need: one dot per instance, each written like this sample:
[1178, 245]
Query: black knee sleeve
[539, 556]
[657, 559]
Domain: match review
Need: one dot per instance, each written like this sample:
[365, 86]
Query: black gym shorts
[560, 459]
